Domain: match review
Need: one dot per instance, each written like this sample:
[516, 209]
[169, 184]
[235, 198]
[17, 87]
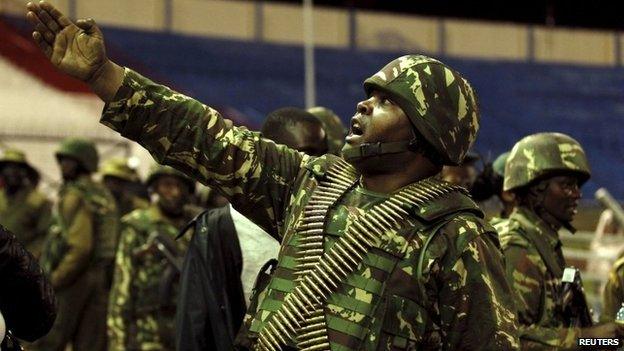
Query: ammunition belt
[301, 316]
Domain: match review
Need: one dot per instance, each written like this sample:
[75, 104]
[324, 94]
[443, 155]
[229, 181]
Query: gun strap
[542, 247]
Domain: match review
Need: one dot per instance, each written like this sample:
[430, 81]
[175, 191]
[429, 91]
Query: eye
[385, 101]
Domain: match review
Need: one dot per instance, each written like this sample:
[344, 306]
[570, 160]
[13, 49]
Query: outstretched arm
[76, 49]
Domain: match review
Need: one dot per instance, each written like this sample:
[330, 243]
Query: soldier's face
[464, 175]
[378, 119]
[69, 168]
[308, 138]
[14, 175]
[561, 197]
[173, 194]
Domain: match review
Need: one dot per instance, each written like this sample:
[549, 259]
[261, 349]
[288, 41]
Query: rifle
[165, 246]
[572, 299]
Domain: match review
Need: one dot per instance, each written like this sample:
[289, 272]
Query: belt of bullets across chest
[319, 272]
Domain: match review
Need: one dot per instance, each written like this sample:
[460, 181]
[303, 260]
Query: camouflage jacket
[536, 289]
[84, 231]
[28, 215]
[376, 307]
[137, 318]
[613, 294]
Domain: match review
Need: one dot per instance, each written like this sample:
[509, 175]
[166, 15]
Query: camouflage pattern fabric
[540, 154]
[613, 294]
[82, 150]
[439, 102]
[28, 215]
[272, 184]
[119, 167]
[535, 288]
[135, 321]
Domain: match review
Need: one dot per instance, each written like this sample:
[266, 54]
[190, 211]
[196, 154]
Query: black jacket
[26, 297]
[211, 303]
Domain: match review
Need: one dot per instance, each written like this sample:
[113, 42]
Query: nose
[575, 192]
[364, 107]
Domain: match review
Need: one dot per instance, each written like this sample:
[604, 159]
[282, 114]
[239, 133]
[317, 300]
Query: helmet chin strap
[378, 149]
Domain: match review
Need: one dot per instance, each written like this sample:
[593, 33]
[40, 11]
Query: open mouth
[356, 130]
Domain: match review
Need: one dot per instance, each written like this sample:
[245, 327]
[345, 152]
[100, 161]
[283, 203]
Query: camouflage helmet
[499, 164]
[158, 170]
[539, 155]
[16, 156]
[81, 150]
[119, 167]
[333, 126]
[439, 102]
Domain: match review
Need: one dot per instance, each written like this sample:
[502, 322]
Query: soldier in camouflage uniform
[545, 171]
[507, 198]
[23, 209]
[122, 181]
[79, 251]
[138, 318]
[613, 294]
[376, 253]
[334, 128]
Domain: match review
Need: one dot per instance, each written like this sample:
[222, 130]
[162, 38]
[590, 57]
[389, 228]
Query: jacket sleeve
[120, 307]
[476, 310]
[27, 299]
[526, 278]
[255, 174]
[79, 226]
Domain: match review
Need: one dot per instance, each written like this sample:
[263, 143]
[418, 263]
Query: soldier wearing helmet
[333, 126]
[123, 182]
[376, 252]
[141, 315]
[79, 251]
[23, 209]
[545, 171]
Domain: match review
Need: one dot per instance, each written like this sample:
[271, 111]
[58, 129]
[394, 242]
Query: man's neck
[389, 182]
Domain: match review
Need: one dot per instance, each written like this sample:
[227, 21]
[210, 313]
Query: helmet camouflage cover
[334, 128]
[157, 170]
[439, 102]
[81, 150]
[541, 154]
[119, 167]
[16, 156]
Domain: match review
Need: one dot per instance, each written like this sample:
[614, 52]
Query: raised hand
[75, 48]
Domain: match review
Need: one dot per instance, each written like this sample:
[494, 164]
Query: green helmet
[539, 155]
[81, 150]
[16, 156]
[499, 164]
[333, 127]
[439, 102]
[157, 170]
[119, 167]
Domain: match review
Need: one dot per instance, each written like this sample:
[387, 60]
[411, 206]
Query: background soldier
[613, 294]
[142, 303]
[23, 210]
[333, 126]
[545, 171]
[352, 234]
[122, 181]
[296, 128]
[79, 251]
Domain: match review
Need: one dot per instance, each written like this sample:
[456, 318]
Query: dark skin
[70, 168]
[561, 198]
[118, 187]
[171, 193]
[15, 177]
[379, 119]
[306, 137]
[464, 175]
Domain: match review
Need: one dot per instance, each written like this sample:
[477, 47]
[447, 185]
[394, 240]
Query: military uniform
[26, 213]
[78, 256]
[532, 248]
[357, 270]
[613, 294]
[119, 168]
[139, 318]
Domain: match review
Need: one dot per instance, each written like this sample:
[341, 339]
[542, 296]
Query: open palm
[75, 48]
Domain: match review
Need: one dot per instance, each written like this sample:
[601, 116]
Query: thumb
[88, 25]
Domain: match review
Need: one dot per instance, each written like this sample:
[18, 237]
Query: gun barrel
[605, 198]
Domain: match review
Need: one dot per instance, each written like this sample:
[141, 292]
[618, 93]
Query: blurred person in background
[606, 247]
[27, 302]
[23, 209]
[545, 171]
[296, 128]
[613, 292]
[464, 174]
[79, 251]
[122, 180]
[333, 126]
[460, 300]
[147, 267]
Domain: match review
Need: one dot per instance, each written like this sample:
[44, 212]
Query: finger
[31, 6]
[40, 27]
[86, 24]
[58, 16]
[45, 17]
[43, 45]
